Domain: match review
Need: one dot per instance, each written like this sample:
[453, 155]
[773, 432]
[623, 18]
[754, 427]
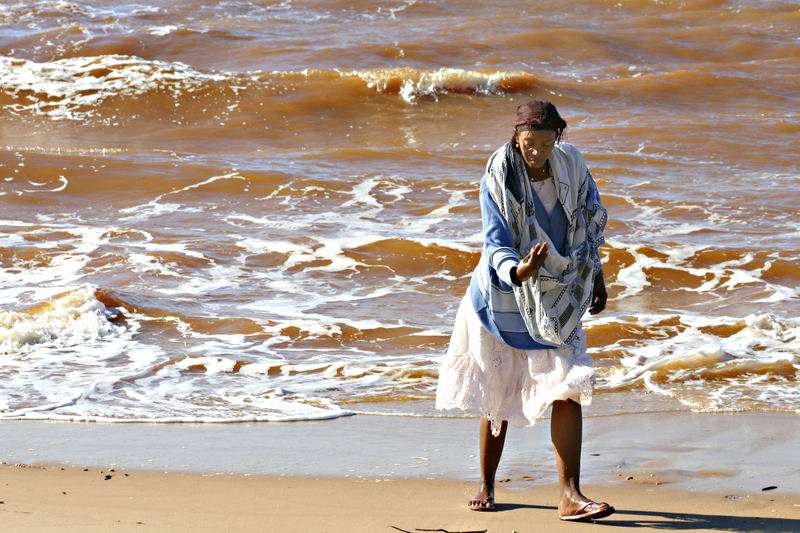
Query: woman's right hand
[529, 265]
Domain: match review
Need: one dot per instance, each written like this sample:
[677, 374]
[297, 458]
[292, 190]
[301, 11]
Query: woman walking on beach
[518, 345]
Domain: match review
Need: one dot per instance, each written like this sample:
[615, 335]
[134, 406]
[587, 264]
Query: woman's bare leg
[491, 451]
[566, 429]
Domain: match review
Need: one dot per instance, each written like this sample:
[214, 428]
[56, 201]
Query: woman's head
[537, 128]
[538, 115]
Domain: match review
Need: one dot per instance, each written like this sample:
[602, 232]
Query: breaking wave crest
[80, 88]
[69, 319]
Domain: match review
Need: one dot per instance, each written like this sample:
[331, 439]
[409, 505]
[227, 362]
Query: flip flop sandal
[589, 511]
[478, 504]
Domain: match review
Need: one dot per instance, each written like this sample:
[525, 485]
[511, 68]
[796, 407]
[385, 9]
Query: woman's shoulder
[498, 154]
[571, 158]
[495, 162]
[569, 150]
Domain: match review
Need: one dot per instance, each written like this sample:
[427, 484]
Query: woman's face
[536, 146]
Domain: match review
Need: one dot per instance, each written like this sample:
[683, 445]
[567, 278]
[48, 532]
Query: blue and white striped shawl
[553, 301]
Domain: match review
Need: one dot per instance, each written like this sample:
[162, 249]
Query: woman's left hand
[599, 294]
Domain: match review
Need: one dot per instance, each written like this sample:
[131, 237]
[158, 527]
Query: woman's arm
[500, 248]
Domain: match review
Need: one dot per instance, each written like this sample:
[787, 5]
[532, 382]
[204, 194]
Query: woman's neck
[538, 174]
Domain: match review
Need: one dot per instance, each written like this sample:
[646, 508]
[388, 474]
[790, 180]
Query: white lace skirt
[484, 376]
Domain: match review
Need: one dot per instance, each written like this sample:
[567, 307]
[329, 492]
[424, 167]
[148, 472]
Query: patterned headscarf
[538, 115]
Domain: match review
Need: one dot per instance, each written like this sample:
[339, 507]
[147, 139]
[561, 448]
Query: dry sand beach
[73, 500]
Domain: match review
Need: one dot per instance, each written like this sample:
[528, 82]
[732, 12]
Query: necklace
[544, 173]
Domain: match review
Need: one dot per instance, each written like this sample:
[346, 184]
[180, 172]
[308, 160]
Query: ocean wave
[70, 319]
[710, 363]
[117, 89]
[78, 88]
[307, 367]
[120, 89]
[412, 84]
[75, 88]
[692, 272]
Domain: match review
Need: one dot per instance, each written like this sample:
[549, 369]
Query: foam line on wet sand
[678, 449]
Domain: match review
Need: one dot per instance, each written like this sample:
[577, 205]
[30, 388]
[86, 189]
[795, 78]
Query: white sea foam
[156, 207]
[728, 275]
[416, 84]
[114, 377]
[143, 263]
[63, 185]
[72, 319]
[161, 31]
[690, 358]
[74, 88]
[457, 198]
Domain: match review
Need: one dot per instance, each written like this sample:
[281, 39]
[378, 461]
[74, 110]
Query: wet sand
[694, 451]
[662, 470]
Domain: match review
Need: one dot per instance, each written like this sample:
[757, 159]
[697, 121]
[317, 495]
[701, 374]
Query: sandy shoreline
[695, 451]
[662, 470]
[52, 499]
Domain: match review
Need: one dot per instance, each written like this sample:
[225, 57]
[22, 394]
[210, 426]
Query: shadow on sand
[626, 518]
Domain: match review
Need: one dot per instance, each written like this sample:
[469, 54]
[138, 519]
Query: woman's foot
[583, 511]
[484, 500]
